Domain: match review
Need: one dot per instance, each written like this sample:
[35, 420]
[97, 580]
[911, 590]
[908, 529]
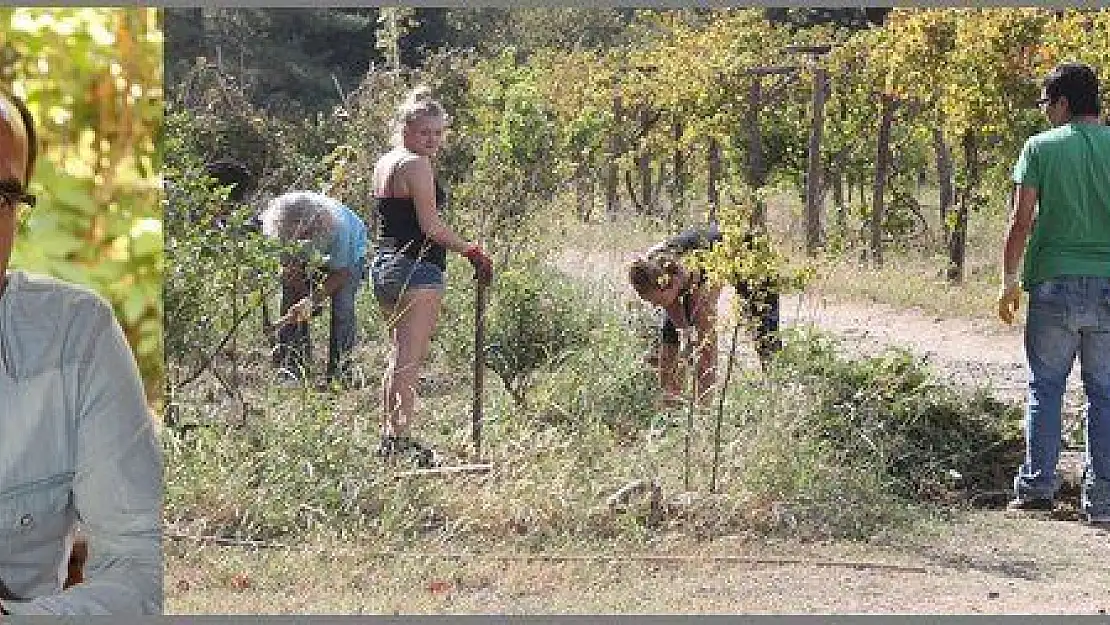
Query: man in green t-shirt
[1061, 223]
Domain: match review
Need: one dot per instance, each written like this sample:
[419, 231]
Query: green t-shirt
[1069, 166]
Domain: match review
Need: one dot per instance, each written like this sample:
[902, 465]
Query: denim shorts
[394, 273]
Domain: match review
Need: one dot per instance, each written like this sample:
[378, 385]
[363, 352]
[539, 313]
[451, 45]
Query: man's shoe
[1097, 519]
[1031, 504]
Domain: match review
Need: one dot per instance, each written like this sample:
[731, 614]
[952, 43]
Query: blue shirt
[347, 247]
[77, 444]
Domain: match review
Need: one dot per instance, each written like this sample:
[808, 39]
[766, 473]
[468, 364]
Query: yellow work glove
[1009, 299]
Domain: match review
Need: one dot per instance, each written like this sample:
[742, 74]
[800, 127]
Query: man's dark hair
[29, 129]
[1076, 82]
[231, 174]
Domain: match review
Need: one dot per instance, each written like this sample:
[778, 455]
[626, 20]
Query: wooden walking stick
[691, 376]
[721, 409]
[479, 365]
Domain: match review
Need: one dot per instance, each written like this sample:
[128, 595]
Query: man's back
[1070, 168]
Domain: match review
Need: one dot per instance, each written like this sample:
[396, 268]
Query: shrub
[536, 317]
[930, 437]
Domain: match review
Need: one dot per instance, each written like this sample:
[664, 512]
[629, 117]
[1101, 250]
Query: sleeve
[1026, 171]
[117, 489]
[686, 240]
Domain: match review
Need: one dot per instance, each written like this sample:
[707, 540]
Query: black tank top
[400, 229]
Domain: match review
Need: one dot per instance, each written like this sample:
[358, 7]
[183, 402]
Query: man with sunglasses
[1061, 225]
[77, 441]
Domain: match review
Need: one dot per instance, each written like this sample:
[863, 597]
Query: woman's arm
[705, 322]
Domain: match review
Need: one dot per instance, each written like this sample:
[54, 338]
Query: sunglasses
[13, 194]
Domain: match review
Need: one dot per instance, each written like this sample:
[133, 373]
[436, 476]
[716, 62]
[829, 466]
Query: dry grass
[912, 275]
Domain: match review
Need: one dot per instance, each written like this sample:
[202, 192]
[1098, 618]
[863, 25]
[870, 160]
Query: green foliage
[892, 414]
[745, 255]
[92, 77]
[537, 316]
[530, 30]
[217, 261]
[292, 61]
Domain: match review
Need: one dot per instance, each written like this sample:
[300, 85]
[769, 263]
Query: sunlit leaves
[93, 79]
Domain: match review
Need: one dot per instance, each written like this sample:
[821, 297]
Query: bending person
[317, 223]
[689, 303]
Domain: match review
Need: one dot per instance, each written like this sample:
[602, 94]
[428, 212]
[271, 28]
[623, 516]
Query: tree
[93, 79]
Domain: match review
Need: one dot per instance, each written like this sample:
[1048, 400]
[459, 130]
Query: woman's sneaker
[422, 455]
[386, 447]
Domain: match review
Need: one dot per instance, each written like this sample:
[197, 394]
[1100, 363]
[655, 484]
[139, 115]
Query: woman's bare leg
[413, 322]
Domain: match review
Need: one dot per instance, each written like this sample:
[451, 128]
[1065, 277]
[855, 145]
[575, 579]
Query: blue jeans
[392, 273]
[343, 331]
[294, 346]
[1068, 315]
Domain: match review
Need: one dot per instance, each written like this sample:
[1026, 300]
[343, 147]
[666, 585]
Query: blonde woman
[408, 271]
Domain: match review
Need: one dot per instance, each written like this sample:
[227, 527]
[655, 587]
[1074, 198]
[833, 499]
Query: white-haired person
[409, 269]
[77, 440]
[314, 223]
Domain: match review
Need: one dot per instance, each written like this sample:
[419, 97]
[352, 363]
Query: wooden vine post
[814, 194]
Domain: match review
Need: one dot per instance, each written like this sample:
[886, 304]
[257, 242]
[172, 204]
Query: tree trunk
[643, 164]
[944, 180]
[583, 193]
[814, 195]
[713, 156]
[678, 184]
[957, 245]
[612, 175]
[882, 166]
[836, 180]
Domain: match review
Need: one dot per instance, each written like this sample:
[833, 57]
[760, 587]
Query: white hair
[299, 215]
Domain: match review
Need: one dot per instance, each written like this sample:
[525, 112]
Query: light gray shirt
[77, 444]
